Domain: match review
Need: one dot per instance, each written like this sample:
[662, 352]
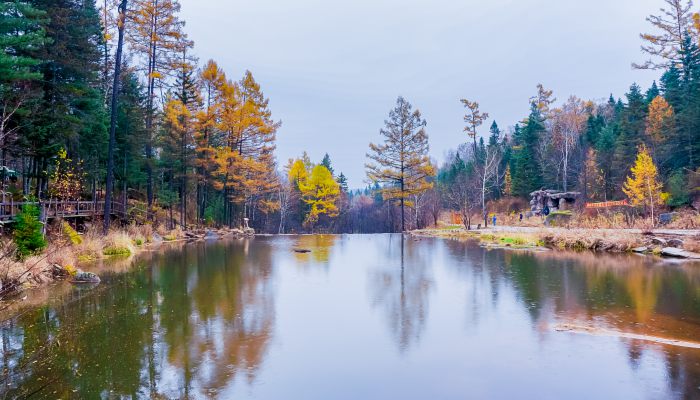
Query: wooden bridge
[62, 209]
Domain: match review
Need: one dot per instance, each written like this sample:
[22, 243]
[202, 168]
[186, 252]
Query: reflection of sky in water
[367, 316]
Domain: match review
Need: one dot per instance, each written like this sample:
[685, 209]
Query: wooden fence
[62, 209]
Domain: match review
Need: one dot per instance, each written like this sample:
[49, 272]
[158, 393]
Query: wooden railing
[62, 209]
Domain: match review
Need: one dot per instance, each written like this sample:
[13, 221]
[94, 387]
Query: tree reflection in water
[182, 328]
[198, 321]
[400, 285]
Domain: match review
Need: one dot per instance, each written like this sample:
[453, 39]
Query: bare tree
[285, 193]
[487, 172]
[568, 124]
[463, 194]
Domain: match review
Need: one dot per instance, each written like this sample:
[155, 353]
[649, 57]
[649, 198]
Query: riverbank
[70, 254]
[676, 243]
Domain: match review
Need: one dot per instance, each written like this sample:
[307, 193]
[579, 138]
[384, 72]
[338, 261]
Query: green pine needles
[28, 235]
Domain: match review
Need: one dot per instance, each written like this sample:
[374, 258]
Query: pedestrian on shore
[494, 219]
[521, 218]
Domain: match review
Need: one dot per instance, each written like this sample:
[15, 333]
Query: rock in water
[679, 253]
[640, 249]
[302, 251]
[85, 277]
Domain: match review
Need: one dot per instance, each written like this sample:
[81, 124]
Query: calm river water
[363, 317]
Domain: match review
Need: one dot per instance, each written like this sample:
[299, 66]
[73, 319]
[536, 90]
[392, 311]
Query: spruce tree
[71, 113]
[326, 162]
[526, 174]
[21, 33]
[631, 133]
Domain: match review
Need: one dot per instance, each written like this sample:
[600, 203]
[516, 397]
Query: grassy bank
[68, 251]
[607, 240]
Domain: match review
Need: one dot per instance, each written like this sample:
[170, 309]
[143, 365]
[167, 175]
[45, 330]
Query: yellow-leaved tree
[316, 188]
[643, 187]
[660, 123]
[321, 192]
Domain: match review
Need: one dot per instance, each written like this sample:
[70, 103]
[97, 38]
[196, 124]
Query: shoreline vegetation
[68, 251]
[678, 244]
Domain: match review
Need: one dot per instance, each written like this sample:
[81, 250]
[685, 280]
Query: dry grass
[141, 234]
[118, 243]
[587, 239]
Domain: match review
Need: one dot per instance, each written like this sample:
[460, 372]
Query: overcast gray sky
[333, 70]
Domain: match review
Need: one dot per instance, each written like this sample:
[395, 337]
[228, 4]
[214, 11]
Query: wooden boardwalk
[62, 209]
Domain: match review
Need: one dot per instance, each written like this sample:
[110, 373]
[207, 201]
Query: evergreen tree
[21, 34]
[631, 132]
[326, 162]
[652, 93]
[343, 182]
[131, 133]
[71, 112]
[526, 172]
[495, 136]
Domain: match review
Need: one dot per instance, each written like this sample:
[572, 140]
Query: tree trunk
[113, 118]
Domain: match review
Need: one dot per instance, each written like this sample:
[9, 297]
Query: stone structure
[552, 199]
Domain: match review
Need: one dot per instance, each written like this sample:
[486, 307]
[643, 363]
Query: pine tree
[526, 174]
[326, 162]
[401, 164]
[71, 112]
[343, 182]
[631, 132]
[27, 234]
[21, 34]
[495, 137]
[652, 93]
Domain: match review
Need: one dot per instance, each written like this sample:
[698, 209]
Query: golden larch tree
[157, 38]
[660, 123]
[474, 118]
[401, 164]
[643, 187]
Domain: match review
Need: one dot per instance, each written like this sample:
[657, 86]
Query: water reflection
[240, 319]
[187, 325]
[319, 247]
[401, 286]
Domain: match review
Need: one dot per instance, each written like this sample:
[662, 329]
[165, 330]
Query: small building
[553, 200]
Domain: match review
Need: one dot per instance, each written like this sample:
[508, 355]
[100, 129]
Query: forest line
[197, 148]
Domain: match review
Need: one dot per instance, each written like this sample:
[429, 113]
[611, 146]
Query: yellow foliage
[659, 120]
[318, 189]
[72, 235]
[643, 187]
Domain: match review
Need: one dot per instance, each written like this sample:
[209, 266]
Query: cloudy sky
[333, 70]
